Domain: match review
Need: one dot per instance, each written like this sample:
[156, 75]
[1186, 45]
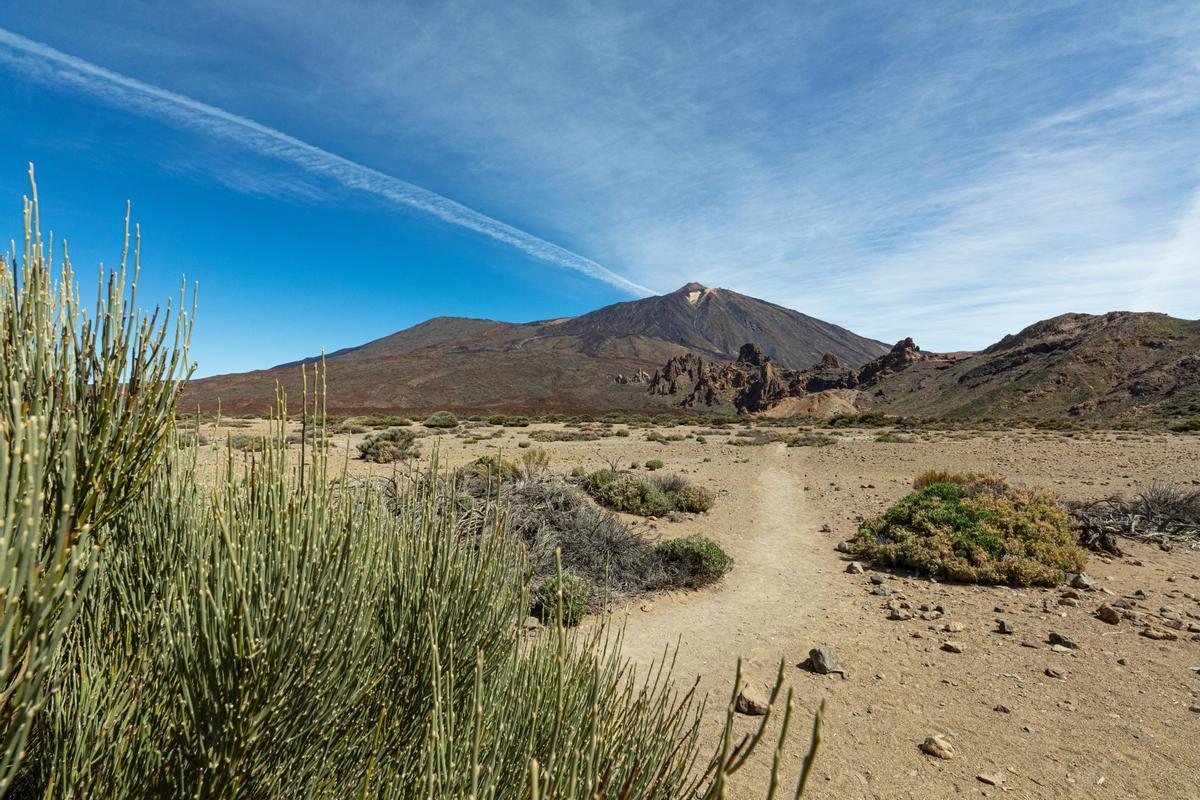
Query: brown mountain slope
[565, 365]
[1110, 366]
[717, 322]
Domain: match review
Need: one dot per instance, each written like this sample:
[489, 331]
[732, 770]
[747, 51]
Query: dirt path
[765, 605]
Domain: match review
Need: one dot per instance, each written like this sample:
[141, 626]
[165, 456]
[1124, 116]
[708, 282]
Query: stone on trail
[1004, 626]
[899, 615]
[938, 746]
[951, 646]
[1107, 613]
[992, 779]
[854, 568]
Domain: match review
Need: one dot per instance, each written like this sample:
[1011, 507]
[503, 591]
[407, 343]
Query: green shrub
[654, 464]
[567, 596]
[978, 529]
[359, 423]
[492, 468]
[247, 442]
[695, 560]
[809, 440]
[1186, 426]
[632, 495]
[692, 498]
[441, 419]
[579, 472]
[387, 447]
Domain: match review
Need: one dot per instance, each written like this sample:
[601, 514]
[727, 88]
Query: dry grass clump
[387, 447]
[978, 529]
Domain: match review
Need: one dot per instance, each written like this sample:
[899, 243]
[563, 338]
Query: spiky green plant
[85, 406]
[269, 630]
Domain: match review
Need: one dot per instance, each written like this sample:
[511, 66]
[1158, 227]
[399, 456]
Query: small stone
[1003, 709]
[823, 661]
[854, 568]
[1004, 626]
[1063, 641]
[1140, 594]
[938, 747]
[1058, 648]
[1123, 602]
[899, 615]
[878, 580]
[1031, 645]
[826, 529]
[1159, 634]
[1048, 606]
[998, 610]
[951, 646]
[751, 702]
[882, 590]
[647, 607]
[1053, 673]
[990, 779]
[953, 627]
[1069, 602]
[1194, 709]
[930, 616]
[1082, 581]
[1107, 613]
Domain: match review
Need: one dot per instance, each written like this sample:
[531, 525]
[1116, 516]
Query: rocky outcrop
[641, 376]
[755, 384]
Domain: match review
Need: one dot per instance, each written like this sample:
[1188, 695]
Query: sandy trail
[765, 606]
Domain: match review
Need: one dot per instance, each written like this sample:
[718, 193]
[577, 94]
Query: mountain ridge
[565, 364]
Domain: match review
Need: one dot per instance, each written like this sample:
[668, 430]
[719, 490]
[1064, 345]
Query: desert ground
[1117, 717]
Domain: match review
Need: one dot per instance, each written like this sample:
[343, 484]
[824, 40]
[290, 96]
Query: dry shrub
[978, 529]
[535, 460]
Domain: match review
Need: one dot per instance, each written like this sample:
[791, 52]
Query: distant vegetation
[386, 447]
[975, 528]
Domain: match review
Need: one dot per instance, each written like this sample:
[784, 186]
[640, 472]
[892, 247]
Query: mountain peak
[691, 287]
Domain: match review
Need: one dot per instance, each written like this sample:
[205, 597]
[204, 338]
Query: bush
[654, 464]
[441, 419]
[491, 468]
[978, 529]
[360, 423]
[693, 499]
[535, 460]
[387, 447]
[633, 495]
[695, 561]
[1186, 426]
[567, 596]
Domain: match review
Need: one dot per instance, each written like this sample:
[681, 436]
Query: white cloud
[39, 61]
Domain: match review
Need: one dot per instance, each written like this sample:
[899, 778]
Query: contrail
[42, 62]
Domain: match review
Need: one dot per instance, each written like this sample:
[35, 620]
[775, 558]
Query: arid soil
[1111, 719]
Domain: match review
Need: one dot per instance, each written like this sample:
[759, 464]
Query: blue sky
[332, 172]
